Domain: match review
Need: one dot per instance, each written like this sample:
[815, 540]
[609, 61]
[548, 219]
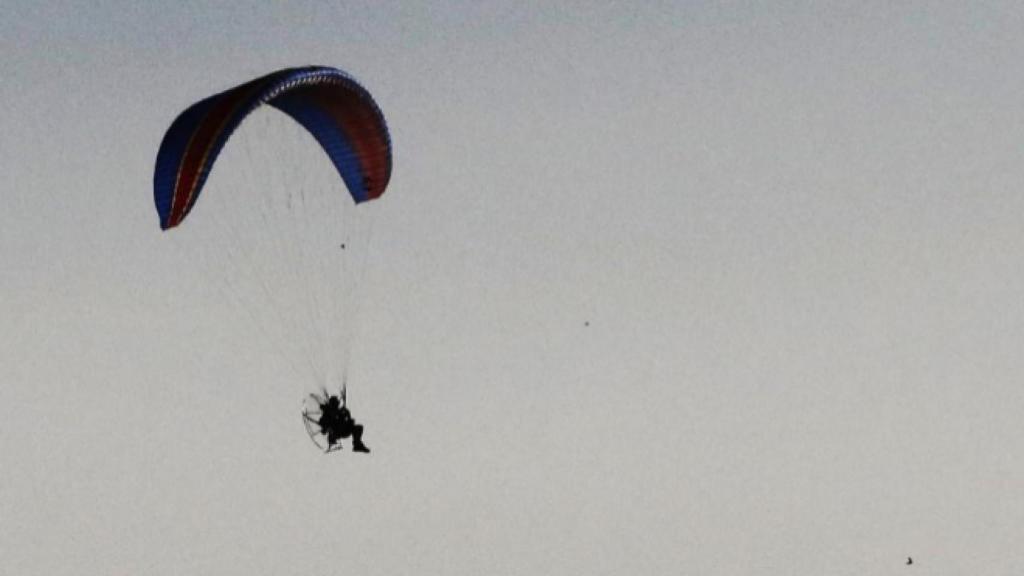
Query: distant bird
[586, 323]
[909, 560]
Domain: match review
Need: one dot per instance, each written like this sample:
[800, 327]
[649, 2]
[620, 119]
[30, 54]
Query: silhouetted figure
[336, 423]
[909, 560]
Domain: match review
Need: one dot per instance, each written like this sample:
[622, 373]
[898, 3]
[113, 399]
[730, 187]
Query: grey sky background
[794, 227]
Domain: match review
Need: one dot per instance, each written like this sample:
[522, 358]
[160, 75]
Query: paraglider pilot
[336, 423]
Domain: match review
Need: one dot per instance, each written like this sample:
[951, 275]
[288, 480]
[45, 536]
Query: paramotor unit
[312, 411]
[328, 421]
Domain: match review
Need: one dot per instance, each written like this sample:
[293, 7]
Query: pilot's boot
[357, 440]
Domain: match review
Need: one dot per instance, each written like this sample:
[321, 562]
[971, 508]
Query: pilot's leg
[357, 439]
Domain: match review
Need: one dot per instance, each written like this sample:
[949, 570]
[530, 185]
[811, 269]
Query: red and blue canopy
[329, 103]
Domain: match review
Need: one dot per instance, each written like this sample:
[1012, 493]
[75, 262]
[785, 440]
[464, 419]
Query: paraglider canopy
[329, 103]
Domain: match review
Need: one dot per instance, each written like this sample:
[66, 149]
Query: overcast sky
[795, 230]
